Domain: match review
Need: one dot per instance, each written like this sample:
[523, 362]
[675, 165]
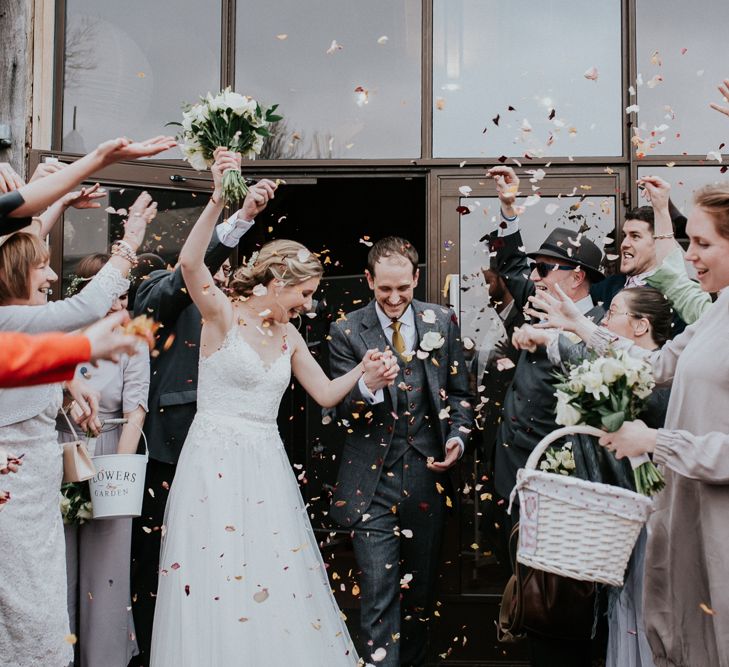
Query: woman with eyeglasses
[644, 316]
[687, 579]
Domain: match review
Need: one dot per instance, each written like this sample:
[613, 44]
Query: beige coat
[687, 561]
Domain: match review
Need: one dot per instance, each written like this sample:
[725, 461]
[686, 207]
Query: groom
[392, 486]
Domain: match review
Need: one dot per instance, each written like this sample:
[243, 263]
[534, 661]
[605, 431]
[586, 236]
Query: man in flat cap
[572, 262]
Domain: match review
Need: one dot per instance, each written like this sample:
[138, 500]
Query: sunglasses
[543, 269]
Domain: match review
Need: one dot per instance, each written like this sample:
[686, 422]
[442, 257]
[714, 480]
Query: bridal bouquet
[75, 503]
[237, 122]
[604, 392]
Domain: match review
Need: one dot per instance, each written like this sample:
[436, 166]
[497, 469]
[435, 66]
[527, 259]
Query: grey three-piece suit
[394, 504]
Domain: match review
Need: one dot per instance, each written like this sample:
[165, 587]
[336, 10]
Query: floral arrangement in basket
[603, 392]
[237, 122]
[75, 503]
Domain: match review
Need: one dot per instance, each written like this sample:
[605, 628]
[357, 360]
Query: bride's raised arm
[211, 301]
[329, 393]
[199, 282]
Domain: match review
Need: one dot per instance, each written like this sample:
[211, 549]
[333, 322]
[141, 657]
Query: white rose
[193, 154]
[199, 113]
[593, 383]
[65, 505]
[187, 122]
[567, 414]
[575, 385]
[84, 511]
[432, 341]
[611, 370]
[257, 144]
[235, 101]
[214, 103]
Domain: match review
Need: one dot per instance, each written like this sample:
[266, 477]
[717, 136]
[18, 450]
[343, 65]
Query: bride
[242, 581]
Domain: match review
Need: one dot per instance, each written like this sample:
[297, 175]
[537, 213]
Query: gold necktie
[398, 342]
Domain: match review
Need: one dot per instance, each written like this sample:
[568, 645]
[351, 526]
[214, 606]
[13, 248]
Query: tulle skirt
[242, 581]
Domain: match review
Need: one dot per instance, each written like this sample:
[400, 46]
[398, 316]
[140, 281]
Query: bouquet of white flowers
[604, 392]
[75, 503]
[234, 121]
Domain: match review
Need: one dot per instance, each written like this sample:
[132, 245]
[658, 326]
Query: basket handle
[541, 447]
[579, 429]
[122, 420]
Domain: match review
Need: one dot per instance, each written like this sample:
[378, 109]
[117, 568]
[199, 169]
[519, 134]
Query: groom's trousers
[397, 549]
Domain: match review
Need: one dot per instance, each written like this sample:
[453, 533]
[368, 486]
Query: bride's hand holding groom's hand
[379, 369]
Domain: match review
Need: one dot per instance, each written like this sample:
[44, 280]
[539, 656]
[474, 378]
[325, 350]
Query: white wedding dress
[242, 581]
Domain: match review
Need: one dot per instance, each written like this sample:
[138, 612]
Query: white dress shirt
[410, 337]
[231, 231]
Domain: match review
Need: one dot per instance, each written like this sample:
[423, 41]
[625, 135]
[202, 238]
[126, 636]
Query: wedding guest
[529, 406]
[643, 315]
[686, 598]
[648, 236]
[98, 552]
[47, 358]
[173, 399]
[34, 623]
[18, 206]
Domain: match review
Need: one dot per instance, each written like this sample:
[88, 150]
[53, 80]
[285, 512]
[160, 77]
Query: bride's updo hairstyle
[286, 261]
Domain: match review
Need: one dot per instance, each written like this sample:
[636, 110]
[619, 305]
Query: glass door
[477, 561]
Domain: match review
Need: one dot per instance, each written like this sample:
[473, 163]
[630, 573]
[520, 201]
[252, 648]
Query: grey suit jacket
[370, 431]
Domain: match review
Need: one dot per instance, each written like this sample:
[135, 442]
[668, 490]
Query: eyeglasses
[543, 269]
[614, 313]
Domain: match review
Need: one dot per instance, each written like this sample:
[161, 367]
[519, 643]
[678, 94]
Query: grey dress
[98, 552]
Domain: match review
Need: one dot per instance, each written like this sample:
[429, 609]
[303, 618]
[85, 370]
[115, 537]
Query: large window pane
[358, 101]
[88, 231]
[682, 54]
[129, 69]
[489, 56]
[685, 181]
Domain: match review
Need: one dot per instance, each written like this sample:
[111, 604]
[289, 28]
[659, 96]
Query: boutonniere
[431, 341]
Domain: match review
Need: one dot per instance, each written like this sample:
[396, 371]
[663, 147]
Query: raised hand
[554, 311]
[507, 184]
[116, 150]
[656, 191]
[224, 161]
[85, 197]
[9, 179]
[257, 198]
[45, 169]
[724, 92]
[141, 213]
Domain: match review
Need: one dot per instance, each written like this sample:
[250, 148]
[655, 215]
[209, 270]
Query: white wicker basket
[574, 528]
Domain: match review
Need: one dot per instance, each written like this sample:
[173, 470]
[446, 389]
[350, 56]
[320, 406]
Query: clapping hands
[529, 338]
[380, 369]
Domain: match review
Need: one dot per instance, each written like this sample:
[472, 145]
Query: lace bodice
[235, 381]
